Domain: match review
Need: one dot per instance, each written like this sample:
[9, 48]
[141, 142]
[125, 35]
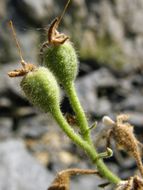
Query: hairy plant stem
[87, 147]
[81, 118]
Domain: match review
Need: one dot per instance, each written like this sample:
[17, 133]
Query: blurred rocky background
[108, 37]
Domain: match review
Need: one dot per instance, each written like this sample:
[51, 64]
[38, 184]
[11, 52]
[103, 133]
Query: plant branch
[81, 118]
[88, 148]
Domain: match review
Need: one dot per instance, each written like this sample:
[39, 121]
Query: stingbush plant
[41, 87]
[62, 60]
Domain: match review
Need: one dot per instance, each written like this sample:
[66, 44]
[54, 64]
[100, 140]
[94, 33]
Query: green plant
[40, 85]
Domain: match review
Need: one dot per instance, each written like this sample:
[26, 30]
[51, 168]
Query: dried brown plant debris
[62, 180]
[55, 37]
[122, 133]
[26, 67]
[71, 119]
[133, 183]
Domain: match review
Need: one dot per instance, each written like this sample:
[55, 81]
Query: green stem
[88, 148]
[75, 103]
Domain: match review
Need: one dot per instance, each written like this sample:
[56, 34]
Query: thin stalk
[88, 148]
[75, 103]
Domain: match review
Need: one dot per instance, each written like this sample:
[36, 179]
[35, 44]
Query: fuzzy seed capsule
[41, 89]
[62, 61]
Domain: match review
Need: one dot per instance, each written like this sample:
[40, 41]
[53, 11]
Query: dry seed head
[121, 118]
[54, 37]
[122, 133]
[27, 67]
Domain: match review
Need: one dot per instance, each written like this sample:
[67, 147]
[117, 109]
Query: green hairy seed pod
[41, 89]
[62, 61]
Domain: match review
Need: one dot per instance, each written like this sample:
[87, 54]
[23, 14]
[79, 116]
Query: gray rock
[87, 94]
[7, 82]
[136, 119]
[130, 12]
[3, 9]
[5, 102]
[6, 52]
[19, 170]
[87, 90]
[134, 101]
[86, 182]
[103, 106]
[121, 20]
[29, 41]
[37, 11]
[5, 128]
[34, 127]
